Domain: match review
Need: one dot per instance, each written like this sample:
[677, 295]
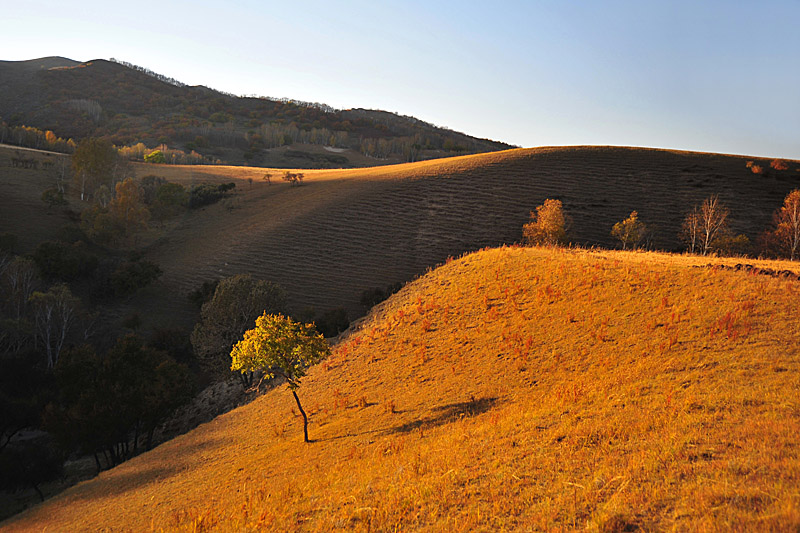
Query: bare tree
[20, 280]
[690, 230]
[54, 314]
[705, 224]
[713, 221]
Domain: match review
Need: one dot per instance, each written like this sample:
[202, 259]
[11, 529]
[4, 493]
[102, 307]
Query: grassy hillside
[345, 231]
[510, 389]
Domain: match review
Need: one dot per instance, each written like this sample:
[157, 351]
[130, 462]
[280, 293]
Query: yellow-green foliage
[279, 346]
[511, 389]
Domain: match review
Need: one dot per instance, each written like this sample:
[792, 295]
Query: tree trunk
[38, 491]
[305, 418]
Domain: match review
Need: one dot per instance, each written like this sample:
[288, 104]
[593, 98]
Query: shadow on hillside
[140, 471]
[448, 413]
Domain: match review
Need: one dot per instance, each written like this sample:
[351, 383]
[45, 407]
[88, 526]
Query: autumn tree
[549, 224]
[53, 197]
[630, 231]
[122, 216]
[281, 347]
[779, 164]
[228, 314]
[785, 237]
[156, 156]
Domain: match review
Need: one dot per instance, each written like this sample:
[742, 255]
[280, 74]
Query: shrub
[207, 194]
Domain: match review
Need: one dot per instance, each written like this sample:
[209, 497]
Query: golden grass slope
[510, 389]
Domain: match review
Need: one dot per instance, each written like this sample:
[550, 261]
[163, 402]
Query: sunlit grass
[514, 388]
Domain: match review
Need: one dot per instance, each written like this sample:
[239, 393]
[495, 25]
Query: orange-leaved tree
[279, 346]
[785, 238]
[549, 224]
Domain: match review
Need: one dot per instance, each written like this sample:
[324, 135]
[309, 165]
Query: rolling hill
[509, 389]
[130, 104]
[345, 231]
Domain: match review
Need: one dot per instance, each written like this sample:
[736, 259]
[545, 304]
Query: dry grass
[511, 389]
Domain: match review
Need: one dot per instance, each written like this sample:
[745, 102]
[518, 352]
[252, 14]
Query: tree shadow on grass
[448, 413]
[138, 472]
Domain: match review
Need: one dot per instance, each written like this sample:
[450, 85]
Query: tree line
[704, 229]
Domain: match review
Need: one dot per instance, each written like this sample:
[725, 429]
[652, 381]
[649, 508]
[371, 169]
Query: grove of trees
[704, 229]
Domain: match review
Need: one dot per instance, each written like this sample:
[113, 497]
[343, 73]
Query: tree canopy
[227, 315]
[95, 163]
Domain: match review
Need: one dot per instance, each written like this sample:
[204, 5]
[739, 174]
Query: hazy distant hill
[130, 104]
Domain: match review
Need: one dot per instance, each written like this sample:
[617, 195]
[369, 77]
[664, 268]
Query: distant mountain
[130, 105]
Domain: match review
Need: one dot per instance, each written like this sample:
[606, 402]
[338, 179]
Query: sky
[711, 76]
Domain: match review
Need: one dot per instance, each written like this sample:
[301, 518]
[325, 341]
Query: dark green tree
[228, 314]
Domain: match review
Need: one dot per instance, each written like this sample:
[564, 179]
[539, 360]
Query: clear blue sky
[721, 76]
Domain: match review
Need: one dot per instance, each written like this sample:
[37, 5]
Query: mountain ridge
[130, 104]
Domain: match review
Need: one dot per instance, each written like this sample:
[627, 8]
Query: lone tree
[549, 225]
[281, 347]
[785, 238]
[630, 231]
